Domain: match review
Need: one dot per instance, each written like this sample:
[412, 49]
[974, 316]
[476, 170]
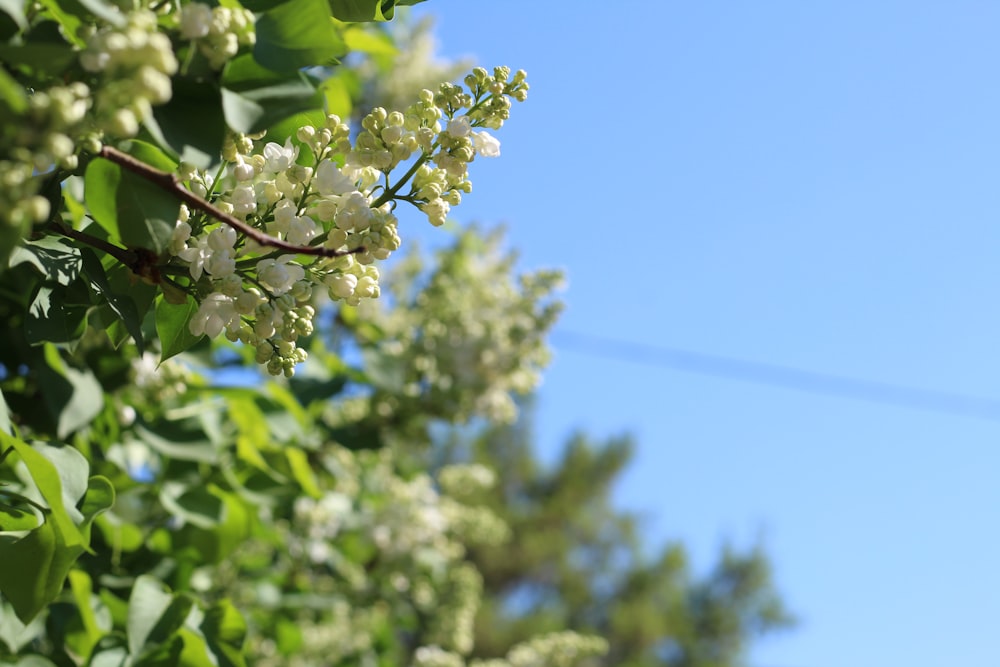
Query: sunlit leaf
[297, 34]
[172, 326]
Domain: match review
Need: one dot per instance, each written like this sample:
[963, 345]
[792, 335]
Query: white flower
[301, 230]
[284, 213]
[436, 210]
[243, 171]
[215, 313]
[486, 144]
[243, 199]
[222, 238]
[196, 256]
[330, 180]
[221, 264]
[280, 158]
[278, 275]
[341, 285]
[354, 212]
[195, 19]
[459, 127]
[178, 240]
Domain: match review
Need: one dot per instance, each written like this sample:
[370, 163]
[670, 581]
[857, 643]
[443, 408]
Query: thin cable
[776, 375]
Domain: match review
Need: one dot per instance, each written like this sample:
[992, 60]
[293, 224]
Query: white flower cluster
[556, 649]
[217, 32]
[471, 337]
[135, 63]
[322, 189]
[387, 537]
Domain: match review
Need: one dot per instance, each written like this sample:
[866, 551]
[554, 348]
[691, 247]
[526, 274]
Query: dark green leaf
[51, 58]
[4, 416]
[297, 34]
[362, 10]
[84, 641]
[197, 143]
[147, 603]
[172, 326]
[51, 480]
[256, 110]
[184, 441]
[14, 633]
[15, 10]
[376, 43]
[261, 5]
[35, 566]
[230, 532]
[51, 319]
[130, 208]
[32, 661]
[53, 257]
[16, 513]
[73, 396]
[194, 505]
[122, 305]
[225, 630]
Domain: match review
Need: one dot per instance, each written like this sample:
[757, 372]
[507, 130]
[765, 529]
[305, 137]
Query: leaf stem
[391, 192]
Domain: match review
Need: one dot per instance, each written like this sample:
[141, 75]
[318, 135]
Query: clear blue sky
[810, 184]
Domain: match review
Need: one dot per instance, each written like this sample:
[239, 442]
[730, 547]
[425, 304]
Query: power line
[777, 375]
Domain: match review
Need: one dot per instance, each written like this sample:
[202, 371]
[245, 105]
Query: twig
[172, 184]
[129, 258]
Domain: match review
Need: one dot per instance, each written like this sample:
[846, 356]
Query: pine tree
[574, 561]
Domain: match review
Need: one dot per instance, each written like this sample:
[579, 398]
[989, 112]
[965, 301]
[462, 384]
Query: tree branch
[172, 184]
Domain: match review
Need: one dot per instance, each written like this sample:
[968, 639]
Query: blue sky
[808, 184]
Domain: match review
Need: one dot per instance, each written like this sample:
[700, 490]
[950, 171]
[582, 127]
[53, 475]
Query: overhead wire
[777, 375]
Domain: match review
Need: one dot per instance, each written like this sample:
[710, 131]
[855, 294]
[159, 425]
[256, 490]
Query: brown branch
[172, 184]
[129, 258]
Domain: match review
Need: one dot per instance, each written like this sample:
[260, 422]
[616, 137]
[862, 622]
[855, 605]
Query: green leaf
[52, 256]
[195, 506]
[31, 661]
[302, 471]
[71, 15]
[122, 281]
[358, 39]
[12, 94]
[252, 431]
[5, 426]
[256, 110]
[297, 34]
[52, 58]
[130, 208]
[362, 10]
[13, 632]
[74, 397]
[254, 98]
[225, 630]
[19, 517]
[283, 129]
[51, 319]
[82, 589]
[261, 5]
[172, 326]
[146, 605]
[122, 304]
[179, 440]
[197, 143]
[15, 10]
[36, 565]
[52, 481]
[232, 527]
[337, 95]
